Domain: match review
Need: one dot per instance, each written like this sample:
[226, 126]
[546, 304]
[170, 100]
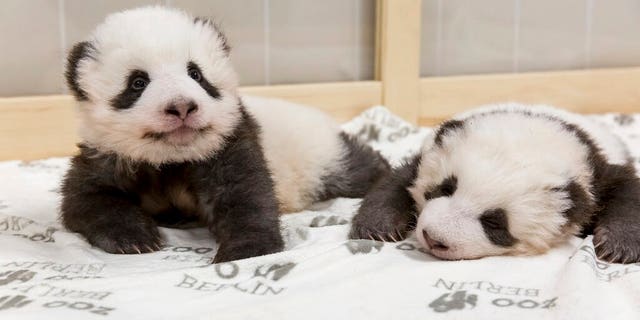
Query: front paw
[379, 226]
[615, 245]
[136, 238]
[248, 248]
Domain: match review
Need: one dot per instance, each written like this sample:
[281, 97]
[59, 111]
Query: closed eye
[494, 219]
[496, 227]
[449, 187]
[446, 188]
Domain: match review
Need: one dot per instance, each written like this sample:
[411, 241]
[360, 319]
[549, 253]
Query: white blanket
[47, 271]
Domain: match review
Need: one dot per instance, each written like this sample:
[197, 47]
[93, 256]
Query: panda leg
[388, 211]
[175, 219]
[617, 230]
[359, 169]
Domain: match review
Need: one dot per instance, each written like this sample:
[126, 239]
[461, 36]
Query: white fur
[301, 144]
[612, 147]
[161, 42]
[299, 151]
[510, 161]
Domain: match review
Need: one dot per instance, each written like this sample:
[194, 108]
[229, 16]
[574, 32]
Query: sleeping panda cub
[166, 139]
[510, 180]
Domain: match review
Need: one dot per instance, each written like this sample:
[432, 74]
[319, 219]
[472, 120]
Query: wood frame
[398, 55]
[582, 91]
[44, 126]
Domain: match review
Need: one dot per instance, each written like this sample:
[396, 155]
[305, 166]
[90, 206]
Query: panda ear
[80, 51]
[447, 128]
[218, 30]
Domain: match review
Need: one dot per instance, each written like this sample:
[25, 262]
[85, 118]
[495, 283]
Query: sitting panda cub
[510, 180]
[166, 139]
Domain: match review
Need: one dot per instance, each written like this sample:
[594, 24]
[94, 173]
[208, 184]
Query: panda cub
[167, 140]
[510, 180]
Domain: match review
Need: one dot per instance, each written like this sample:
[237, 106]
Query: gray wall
[274, 41]
[294, 41]
[481, 36]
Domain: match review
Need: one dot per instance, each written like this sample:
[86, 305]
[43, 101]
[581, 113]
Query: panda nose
[433, 244]
[181, 110]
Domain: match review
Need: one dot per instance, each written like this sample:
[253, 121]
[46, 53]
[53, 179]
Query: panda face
[479, 192]
[155, 85]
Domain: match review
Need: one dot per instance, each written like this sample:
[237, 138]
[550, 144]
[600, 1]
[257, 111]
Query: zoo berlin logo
[263, 282]
[65, 297]
[459, 299]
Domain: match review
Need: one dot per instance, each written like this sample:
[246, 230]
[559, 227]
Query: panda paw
[379, 227]
[131, 239]
[616, 245]
[249, 247]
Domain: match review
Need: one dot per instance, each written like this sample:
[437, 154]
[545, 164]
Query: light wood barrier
[586, 91]
[44, 126]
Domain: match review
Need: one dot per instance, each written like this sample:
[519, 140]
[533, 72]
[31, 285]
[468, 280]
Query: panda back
[301, 144]
[611, 146]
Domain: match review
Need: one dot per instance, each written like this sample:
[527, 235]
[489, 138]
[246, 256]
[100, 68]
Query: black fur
[496, 227]
[80, 51]
[617, 225]
[582, 206]
[174, 218]
[388, 212]
[361, 167]
[206, 85]
[106, 198]
[445, 128]
[615, 216]
[128, 96]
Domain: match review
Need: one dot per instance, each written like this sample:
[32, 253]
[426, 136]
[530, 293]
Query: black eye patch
[196, 74]
[496, 227]
[137, 81]
[446, 188]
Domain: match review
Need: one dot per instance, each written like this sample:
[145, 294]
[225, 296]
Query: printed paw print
[18, 301]
[322, 221]
[8, 277]
[369, 132]
[453, 301]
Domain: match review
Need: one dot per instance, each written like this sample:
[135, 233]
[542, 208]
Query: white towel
[47, 272]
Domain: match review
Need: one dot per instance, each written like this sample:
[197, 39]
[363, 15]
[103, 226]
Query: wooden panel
[37, 127]
[398, 56]
[589, 91]
[342, 100]
[44, 126]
